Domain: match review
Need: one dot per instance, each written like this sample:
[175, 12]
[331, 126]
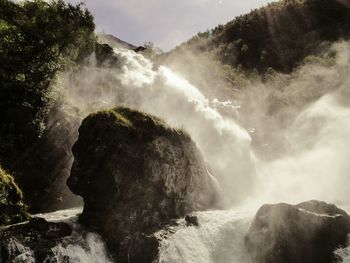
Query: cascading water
[19, 253]
[344, 254]
[219, 239]
[318, 136]
[79, 247]
[165, 94]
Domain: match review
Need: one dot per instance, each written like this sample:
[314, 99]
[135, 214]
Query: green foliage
[125, 122]
[113, 117]
[37, 39]
[324, 61]
[12, 209]
[279, 35]
[9, 191]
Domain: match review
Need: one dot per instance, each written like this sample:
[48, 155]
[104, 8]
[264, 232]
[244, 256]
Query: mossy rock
[136, 176]
[12, 208]
[131, 121]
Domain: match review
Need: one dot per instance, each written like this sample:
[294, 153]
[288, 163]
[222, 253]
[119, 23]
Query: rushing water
[319, 136]
[344, 253]
[79, 247]
[164, 93]
[19, 253]
[219, 239]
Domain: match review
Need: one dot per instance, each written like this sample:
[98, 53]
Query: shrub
[12, 209]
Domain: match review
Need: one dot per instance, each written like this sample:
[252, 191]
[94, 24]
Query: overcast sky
[166, 23]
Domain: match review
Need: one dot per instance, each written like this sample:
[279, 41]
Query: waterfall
[19, 253]
[314, 166]
[162, 92]
[219, 239]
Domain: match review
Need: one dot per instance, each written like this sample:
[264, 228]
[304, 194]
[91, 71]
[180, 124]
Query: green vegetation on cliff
[12, 209]
[278, 36]
[37, 40]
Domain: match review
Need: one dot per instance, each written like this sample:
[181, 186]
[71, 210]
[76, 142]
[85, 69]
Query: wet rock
[140, 49]
[136, 175]
[105, 55]
[31, 240]
[191, 220]
[308, 232]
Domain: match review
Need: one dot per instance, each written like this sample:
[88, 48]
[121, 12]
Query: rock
[114, 42]
[104, 55]
[191, 220]
[42, 171]
[12, 208]
[140, 49]
[308, 232]
[33, 240]
[136, 175]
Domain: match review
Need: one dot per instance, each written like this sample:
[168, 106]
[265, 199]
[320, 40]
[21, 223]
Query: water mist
[260, 153]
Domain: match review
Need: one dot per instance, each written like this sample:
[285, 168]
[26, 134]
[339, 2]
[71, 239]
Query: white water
[315, 166]
[219, 239]
[80, 247]
[344, 254]
[163, 93]
[19, 253]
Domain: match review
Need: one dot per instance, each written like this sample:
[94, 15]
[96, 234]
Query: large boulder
[136, 175]
[12, 208]
[308, 232]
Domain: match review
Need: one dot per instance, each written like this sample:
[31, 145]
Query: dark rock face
[140, 49]
[38, 235]
[104, 55]
[114, 41]
[191, 220]
[42, 171]
[308, 232]
[136, 175]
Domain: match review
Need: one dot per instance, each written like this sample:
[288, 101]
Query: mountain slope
[279, 35]
[114, 41]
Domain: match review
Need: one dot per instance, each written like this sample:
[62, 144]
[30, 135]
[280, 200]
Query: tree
[37, 39]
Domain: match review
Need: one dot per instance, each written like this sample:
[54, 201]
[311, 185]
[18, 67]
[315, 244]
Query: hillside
[279, 35]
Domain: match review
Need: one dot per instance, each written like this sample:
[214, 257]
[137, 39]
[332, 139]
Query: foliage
[37, 39]
[113, 117]
[12, 210]
[278, 36]
[126, 122]
[9, 191]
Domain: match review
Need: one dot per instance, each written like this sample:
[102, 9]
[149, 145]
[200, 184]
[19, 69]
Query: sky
[166, 23]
